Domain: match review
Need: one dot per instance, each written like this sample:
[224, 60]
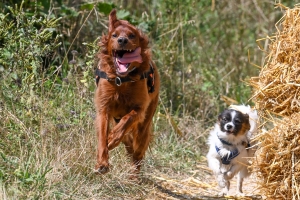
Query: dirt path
[200, 184]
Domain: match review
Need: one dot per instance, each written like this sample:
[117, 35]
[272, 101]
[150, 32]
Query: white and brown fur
[235, 126]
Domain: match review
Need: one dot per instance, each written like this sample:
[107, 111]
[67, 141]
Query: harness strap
[225, 142]
[246, 144]
[119, 80]
[226, 159]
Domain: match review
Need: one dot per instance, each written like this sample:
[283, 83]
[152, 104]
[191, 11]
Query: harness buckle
[118, 81]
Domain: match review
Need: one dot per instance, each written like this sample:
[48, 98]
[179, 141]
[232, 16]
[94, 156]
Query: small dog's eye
[225, 119]
[114, 35]
[238, 121]
[131, 36]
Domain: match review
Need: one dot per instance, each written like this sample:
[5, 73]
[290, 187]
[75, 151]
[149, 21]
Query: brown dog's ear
[144, 41]
[112, 19]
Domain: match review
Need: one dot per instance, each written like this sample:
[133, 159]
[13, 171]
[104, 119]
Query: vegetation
[47, 48]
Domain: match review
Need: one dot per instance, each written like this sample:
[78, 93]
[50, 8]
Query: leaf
[3, 156]
[69, 11]
[105, 8]
[29, 180]
[46, 4]
[143, 26]
[122, 14]
[87, 6]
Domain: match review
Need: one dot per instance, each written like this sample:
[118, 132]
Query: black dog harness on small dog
[234, 153]
[119, 80]
[226, 160]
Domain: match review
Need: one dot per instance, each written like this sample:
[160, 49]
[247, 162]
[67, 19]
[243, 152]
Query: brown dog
[127, 92]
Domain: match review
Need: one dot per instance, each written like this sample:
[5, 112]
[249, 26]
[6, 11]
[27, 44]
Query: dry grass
[277, 87]
[278, 160]
[276, 95]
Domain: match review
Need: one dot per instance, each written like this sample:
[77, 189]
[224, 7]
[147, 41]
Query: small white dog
[230, 145]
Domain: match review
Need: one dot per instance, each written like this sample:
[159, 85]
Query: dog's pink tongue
[131, 57]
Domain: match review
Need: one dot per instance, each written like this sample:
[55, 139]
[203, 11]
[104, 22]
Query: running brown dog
[127, 93]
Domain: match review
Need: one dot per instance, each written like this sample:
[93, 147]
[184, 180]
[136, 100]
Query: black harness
[119, 80]
[226, 159]
[234, 153]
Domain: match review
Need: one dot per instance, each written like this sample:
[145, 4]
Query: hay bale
[277, 163]
[277, 89]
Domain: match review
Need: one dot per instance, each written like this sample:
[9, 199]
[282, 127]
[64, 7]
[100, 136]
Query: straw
[277, 87]
[277, 163]
[277, 99]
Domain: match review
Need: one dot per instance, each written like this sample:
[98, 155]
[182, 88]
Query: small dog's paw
[221, 194]
[240, 194]
[224, 152]
[224, 192]
[228, 175]
[102, 170]
[222, 182]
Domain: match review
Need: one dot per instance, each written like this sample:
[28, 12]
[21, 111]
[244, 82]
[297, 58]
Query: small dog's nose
[122, 41]
[229, 126]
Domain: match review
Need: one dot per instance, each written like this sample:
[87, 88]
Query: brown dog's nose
[122, 41]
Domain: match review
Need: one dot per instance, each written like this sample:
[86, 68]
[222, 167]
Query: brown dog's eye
[131, 36]
[114, 35]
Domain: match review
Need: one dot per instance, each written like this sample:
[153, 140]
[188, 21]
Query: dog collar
[119, 80]
[226, 159]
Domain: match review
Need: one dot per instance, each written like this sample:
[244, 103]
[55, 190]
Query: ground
[200, 185]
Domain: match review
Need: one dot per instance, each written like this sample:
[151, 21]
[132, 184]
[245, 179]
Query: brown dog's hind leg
[140, 145]
[143, 136]
[128, 142]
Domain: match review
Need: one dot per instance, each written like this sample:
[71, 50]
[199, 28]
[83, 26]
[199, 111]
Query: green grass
[48, 146]
[56, 161]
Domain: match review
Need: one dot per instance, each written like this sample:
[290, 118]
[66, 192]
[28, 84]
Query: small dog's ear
[219, 117]
[246, 117]
[112, 19]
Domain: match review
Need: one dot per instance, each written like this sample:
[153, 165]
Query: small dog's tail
[253, 117]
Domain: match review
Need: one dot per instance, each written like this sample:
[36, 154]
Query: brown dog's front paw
[113, 141]
[102, 169]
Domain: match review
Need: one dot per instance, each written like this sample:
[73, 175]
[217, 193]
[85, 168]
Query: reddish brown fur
[131, 101]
